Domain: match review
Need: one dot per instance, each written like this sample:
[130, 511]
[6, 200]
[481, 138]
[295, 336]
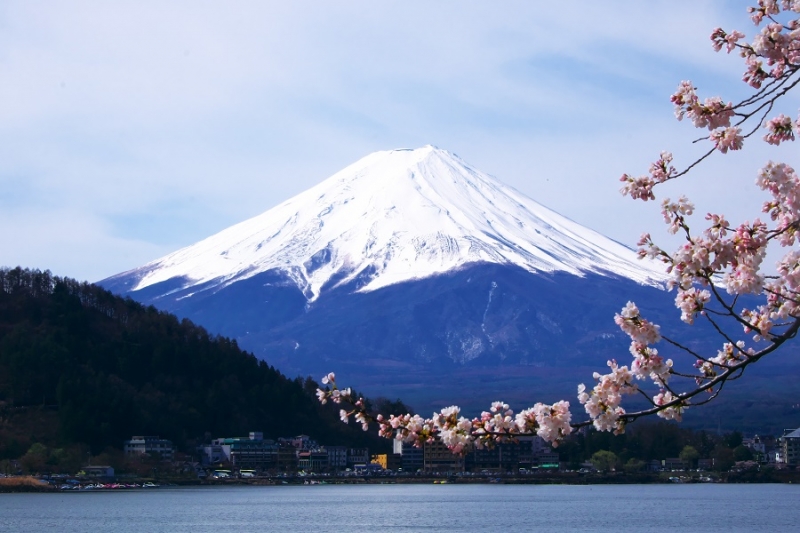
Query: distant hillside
[80, 365]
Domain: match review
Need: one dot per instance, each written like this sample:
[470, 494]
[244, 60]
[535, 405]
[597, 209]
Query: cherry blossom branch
[721, 257]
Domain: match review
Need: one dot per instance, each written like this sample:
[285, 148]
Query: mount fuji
[413, 274]
[392, 217]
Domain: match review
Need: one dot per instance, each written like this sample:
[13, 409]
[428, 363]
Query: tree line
[81, 366]
[653, 441]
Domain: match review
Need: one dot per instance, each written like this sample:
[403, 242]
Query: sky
[129, 130]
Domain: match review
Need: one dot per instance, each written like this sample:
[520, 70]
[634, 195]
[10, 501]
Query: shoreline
[34, 485]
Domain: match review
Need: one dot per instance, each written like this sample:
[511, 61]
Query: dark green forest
[650, 440]
[80, 366]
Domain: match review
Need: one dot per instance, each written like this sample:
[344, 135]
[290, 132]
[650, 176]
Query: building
[411, 457]
[151, 445]
[654, 466]
[379, 459]
[525, 453]
[214, 454]
[357, 457]
[394, 462]
[790, 445]
[674, 463]
[762, 447]
[337, 457]
[436, 457]
[98, 471]
[253, 452]
[502, 457]
[534, 452]
[287, 457]
[549, 460]
[312, 460]
[300, 442]
[705, 464]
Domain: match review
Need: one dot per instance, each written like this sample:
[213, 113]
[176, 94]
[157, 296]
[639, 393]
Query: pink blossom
[551, 422]
[759, 321]
[670, 413]
[712, 113]
[779, 129]
[661, 169]
[766, 8]
[648, 249]
[602, 404]
[647, 363]
[755, 73]
[691, 301]
[639, 329]
[674, 212]
[727, 139]
[322, 396]
[729, 40]
[362, 419]
[640, 188]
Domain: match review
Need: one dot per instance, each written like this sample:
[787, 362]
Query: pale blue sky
[131, 129]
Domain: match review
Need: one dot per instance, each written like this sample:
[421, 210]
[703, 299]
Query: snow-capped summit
[395, 216]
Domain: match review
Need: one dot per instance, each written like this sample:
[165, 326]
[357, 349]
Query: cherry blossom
[727, 139]
[779, 129]
[708, 271]
[691, 301]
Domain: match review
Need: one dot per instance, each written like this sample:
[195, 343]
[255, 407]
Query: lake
[369, 508]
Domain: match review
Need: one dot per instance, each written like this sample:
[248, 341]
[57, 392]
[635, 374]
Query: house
[437, 457]
[312, 460]
[357, 456]
[152, 445]
[214, 453]
[253, 452]
[548, 460]
[530, 450]
[705, 464]
[410, 457]
[98, 471]
[790, 445]
[674, 463]
[300, 442]
[503, 457]
[337, 457]
[380, 459]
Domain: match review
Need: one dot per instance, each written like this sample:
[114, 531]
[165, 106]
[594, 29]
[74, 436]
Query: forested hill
[110, 368]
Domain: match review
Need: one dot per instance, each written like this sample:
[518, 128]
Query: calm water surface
[362, 508]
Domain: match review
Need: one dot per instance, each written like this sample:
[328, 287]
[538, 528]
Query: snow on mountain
[395, 216]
